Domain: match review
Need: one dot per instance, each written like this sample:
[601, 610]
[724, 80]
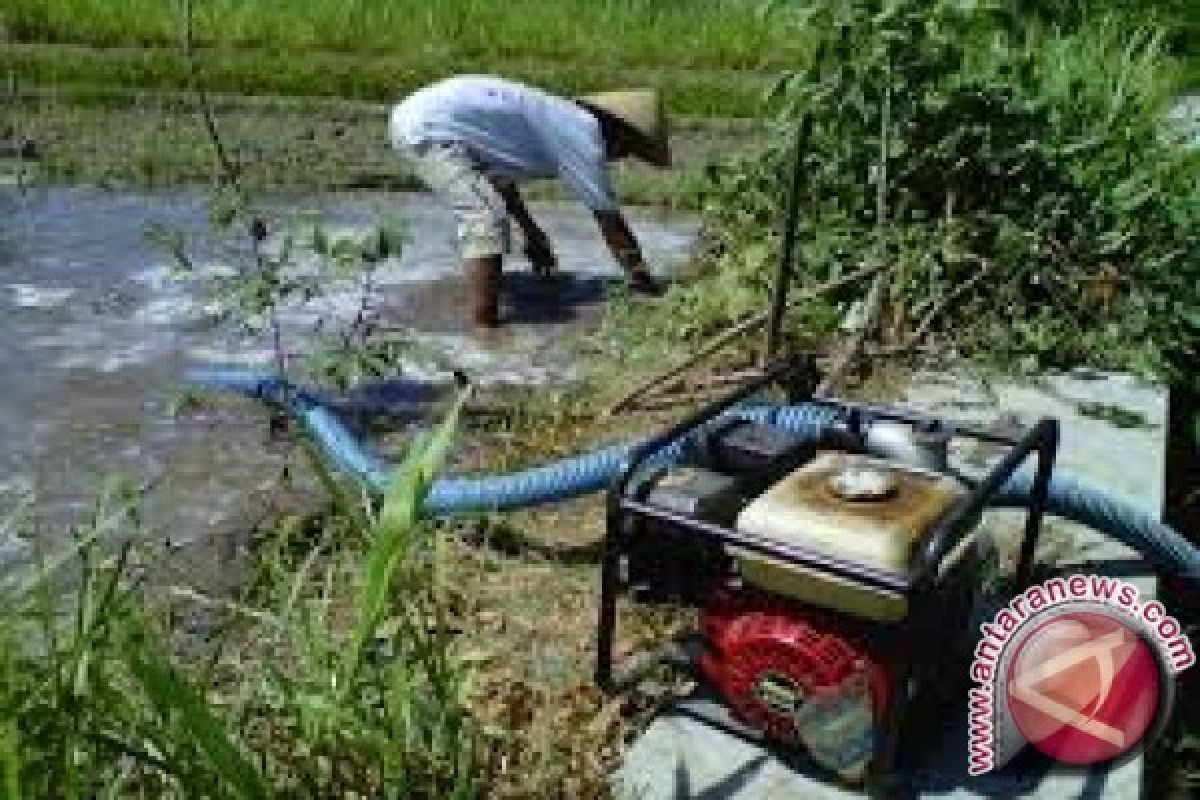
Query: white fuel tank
[852, 507]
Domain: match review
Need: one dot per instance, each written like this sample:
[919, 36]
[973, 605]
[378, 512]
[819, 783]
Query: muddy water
[96, 332]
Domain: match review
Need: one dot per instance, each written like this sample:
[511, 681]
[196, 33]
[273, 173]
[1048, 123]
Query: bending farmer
[472, 138]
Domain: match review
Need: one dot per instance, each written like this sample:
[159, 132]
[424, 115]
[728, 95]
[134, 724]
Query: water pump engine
[832, 573]
[775, 653]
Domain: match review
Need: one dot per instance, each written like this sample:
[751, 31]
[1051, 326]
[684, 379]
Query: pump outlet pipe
[556, 481]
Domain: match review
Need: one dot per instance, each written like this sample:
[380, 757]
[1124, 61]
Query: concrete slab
[683, 756]
[680, 756]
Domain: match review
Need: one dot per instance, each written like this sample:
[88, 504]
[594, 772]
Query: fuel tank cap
[863, 484]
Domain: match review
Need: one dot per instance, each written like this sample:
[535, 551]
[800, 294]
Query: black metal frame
[906, 647]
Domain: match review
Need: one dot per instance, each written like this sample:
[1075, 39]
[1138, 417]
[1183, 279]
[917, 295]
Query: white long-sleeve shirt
[515, 131]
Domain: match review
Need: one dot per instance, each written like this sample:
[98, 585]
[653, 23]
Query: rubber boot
[483, 279]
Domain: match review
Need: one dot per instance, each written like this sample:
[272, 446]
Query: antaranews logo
[1079, 667]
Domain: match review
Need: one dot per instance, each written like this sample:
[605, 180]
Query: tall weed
[1037, 157]
[342, 682]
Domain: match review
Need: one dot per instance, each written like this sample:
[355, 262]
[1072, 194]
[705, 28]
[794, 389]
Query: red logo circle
[1083, 687]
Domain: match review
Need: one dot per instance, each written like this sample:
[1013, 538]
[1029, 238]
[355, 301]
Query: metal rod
[1047, 450]
[787, 258]
[885, 778]
[607, 614]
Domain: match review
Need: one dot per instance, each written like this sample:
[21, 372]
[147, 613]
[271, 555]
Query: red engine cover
[761, 650]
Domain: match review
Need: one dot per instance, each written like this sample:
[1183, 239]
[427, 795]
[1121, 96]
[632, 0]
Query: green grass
[98, 697]
[681, 33]
[379, 78]
[710, 57]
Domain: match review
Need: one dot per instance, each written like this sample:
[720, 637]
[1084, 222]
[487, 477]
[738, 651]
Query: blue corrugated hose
[590, 472]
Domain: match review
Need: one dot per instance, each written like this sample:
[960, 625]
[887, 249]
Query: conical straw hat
[641, 110]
